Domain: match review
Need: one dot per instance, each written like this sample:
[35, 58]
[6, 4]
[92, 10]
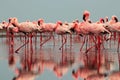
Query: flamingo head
[59, 22]
[86, 15]
[40, 21]
[12, 20]
[106, 19]
[75, 24]
[102, 20]
[115, 18]
[108, 27]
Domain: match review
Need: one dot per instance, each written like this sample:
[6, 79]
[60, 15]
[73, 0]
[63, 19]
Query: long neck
[16, 24]
[56, 26]
[75, 25]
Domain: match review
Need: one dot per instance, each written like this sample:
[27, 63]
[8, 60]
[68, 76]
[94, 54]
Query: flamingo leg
[86, 42]
[63, 43]
[35, 42]
[40, 37]
[46, 41]
[70, 41]
[53, 39]
[99, 59]
[7, 36]
[16, 51]
[83, 43]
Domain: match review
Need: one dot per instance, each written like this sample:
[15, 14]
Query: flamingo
[61, 29]
[114, 26]
[93, 28]
[46, 27]
[25, 27]
[86, 28]
[10, 30]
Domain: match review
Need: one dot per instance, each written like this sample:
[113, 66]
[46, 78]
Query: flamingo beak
[84, 17]
[115, 18]
[39, 23]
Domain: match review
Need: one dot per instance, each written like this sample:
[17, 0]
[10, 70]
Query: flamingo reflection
[91, 70]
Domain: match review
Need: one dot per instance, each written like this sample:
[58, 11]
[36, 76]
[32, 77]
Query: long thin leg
[99, 59]
[63, 43]
[70, 41]
[16, 51]
[83, 43]
[46, 41]
[40, 38]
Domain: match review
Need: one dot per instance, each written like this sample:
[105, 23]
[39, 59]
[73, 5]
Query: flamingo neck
[56, 26]
[15, 24]
[39, 23]
[76, 25]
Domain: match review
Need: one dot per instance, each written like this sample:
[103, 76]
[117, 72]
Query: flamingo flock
[98, 31]
[91, 32]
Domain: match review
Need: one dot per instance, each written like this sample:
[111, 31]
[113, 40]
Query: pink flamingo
[70, 26]
[46, 27]
[114, 26]
[25, 27]
[86, 28]
[61, 29]
[10, 30]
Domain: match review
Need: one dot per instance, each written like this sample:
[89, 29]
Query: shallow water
[50, 63]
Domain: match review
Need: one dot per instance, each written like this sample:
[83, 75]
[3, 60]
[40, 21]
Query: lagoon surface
[47, 62]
